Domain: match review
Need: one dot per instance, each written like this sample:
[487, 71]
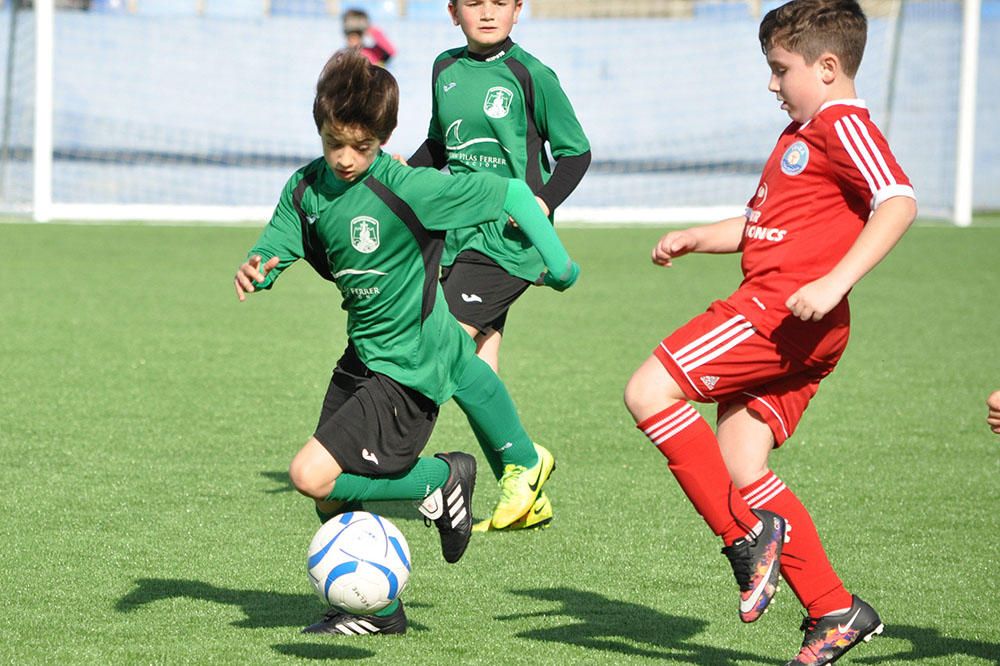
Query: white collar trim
[860, 103]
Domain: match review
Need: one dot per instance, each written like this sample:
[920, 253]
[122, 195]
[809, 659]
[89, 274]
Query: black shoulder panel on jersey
[314, 252]
[431, 243]
[535, 154]
[440, 66]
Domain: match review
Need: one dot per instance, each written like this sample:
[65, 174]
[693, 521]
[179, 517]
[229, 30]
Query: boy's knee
[634, 391]
[308, 480]
[650, 390]
[641, 396]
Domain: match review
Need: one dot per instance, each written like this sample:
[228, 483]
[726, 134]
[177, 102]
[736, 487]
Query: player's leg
[662, 412]
[488, 347]
[496, 424]
[746, 438]
[369, 449]
[747, 432]
[704, 358]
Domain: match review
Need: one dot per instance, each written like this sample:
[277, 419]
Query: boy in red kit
[831, 203]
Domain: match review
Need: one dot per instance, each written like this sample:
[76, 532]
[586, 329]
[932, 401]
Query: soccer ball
[359, 562]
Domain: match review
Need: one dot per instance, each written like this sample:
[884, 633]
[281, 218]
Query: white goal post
[673, 164]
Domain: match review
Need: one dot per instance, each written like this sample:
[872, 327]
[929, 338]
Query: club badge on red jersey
[795, 159]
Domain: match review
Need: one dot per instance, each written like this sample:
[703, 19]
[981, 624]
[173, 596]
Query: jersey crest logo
[710, 381]
[795, 159]
[364, 234]
[497, 103]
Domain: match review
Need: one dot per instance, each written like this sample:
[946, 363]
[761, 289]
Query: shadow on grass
[927, 643]
[623, 628]
[262, 610]
[619, 627]
[320, 651]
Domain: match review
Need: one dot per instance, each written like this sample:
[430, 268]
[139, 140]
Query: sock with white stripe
[426, 476]
[804, 564]
[694, 458]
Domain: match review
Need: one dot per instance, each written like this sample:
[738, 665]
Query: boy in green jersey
[376, 229]
[495, 106]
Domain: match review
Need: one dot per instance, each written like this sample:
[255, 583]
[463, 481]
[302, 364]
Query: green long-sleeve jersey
[496, 115]
[380, 240]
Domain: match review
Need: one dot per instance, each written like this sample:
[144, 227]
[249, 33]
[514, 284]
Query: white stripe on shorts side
[781, 422]
[711, 334]
[721, 345]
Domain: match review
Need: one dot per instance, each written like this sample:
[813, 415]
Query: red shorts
[720, 357]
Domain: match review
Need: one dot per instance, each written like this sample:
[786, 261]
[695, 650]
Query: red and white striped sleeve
[861, 158]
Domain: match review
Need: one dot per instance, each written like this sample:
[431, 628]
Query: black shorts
[371, 424]
[479, 292]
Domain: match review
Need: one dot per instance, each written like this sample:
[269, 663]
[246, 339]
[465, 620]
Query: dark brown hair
[352, 91]
[814, 27]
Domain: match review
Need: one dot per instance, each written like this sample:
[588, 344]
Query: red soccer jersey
[818, 188]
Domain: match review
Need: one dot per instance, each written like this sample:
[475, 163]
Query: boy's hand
[674, 244]
[993, 418]
[814, 300]
[250, 271]
[399, 158]
[564, 281]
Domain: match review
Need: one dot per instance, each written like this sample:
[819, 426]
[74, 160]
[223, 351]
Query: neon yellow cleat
[520, 487]
[538, 517]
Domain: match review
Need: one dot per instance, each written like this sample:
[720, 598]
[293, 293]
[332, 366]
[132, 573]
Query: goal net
[201, 109]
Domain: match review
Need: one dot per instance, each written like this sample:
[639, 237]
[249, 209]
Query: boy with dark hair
[495, 106]
[376, 229]
[831, 203]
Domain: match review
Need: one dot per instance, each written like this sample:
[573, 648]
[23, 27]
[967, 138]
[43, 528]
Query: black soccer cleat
[755, 565]
[829, 637]
[450, 506]
[338, 622]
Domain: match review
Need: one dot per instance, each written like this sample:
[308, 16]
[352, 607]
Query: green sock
[494, 458]
[426, 476]
[493, 417]
[388, 610]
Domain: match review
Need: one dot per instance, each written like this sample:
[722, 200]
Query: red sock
[693, 455]
[804, 563]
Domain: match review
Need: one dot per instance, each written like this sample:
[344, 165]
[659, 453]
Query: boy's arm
[566, 175]
[718, 238]
[520, 204]
[884, 229]
[431, 152]
[279, 246]
[557, 123]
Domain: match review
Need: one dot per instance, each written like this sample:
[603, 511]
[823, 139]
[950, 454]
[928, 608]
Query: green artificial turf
[147, 420]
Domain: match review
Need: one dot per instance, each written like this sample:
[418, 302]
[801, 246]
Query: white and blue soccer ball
[359, 562]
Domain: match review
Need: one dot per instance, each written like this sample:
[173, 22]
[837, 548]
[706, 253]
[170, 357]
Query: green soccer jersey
[495, 116]
[380, 240]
